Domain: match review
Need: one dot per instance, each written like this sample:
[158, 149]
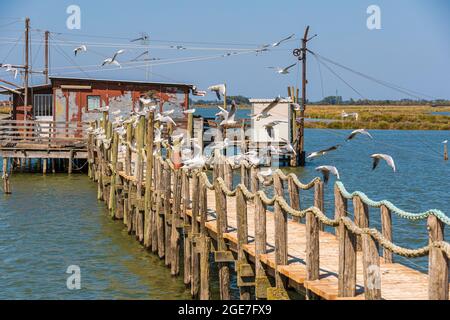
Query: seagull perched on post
[283, 70]
[219, 89]
[322, 152]
[389, 160]
[358, 131]
[265, 112]
[113, 59]
[80, 49]
[326, 170]
[269, 127]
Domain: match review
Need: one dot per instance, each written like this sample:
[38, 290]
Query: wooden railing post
[160, 223]
[371, 268]
[262, 282]
[294, 197]
[438, 262]
[319, 200]
[347, 262]
[312, 238]
[195, 259]
[205, 244]
[280, 216]
[243, 268]
[222, 227]
[148, 221]
[361, 215]
[187, 225]
[139, 174]
[176, 225]
[386, 227]
[340, 207]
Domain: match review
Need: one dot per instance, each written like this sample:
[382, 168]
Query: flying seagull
[389, 160]
[326, 170]
[219, 89]
[359, 131]
[113, 59]
[166, 119]
[322, 152]
[280, 70]
[288, 147]
[142, 54]
[80, 49]
[276, 44]
[10, 68]
[142, 38]
[264, 113]
[269, 127]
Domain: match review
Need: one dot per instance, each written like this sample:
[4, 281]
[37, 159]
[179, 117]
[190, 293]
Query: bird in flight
[80, 49]
[10, 68]
[276, 44]
[322, 152]
[113, 59]
[144, 37]
[280, 70]
[219, 89]
[326, 170]
[141, 55]
[228, 116]
[358, 131]
[269, 127]
[389, 160]
[265, 112]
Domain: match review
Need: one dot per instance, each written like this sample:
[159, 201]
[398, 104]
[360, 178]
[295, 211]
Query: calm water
[51, 222]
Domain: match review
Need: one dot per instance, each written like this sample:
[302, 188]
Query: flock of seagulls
[328, 169]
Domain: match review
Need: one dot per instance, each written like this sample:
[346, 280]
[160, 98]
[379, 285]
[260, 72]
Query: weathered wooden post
[44, 166]
[340, 207]
[319, 200]
[129, 137]
[148, 219]
[371, 268]
[446, 151]
[176, 222]
[228, 175]
[70, 168]
[438, 262]
[139, 175]
[243, 268]
[347, 262]
[160, 219]
[187, 226]
[294, 197]
[262, 282]
[361, 217]
[312, 239]
[280, 216]
[167, 211]
[222, 255]
[112, 189]
[5, 177]
[386, 227]
[194, 236]
[204, 268]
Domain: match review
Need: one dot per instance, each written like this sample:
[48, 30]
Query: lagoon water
[52, 222]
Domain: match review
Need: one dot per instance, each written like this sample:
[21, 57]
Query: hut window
[93, 102]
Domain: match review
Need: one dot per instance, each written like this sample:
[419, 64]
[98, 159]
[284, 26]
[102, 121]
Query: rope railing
[401, 213]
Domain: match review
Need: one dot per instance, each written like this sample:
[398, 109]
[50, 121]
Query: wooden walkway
[398, 281]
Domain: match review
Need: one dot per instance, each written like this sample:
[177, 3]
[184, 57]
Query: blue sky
[411, 50]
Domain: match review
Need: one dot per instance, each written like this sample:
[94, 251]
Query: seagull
[296, 107]
[80, 49]
[219, 89]
[188, 111]
[445, 141]
[104, 109]
[197, 92]
[158, 134]
[283, 70]
[113, 59]
[178, 47]
[168, 112]
[264, 113]
[288, 147]
[322, 152]
[252, 157]
[229, 118]
[359, 131]
[166, 119]
[265, 175]
[326, 170]
[220, 144]
[10, 68]
[142, 38]
[276, 44]
[389, 160]
[269, 126]
[142, 54]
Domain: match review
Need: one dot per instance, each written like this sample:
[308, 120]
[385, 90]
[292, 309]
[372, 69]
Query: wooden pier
[195, 220]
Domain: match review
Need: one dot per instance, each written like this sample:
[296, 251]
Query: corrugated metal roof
[124, 81]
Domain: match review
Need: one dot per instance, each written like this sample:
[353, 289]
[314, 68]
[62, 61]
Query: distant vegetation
[394, 117]
[240, 100]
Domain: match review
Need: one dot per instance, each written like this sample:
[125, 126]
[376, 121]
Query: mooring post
[177, 225]
[139, 175]
[187, 226]
[112, 190]
[5, 177]
[167, 211]
[194, 235]
[160, 221]
[386, 227]
[280, 216]
[70, 167]
[44, 166]
[446, 151]
[438, 262]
